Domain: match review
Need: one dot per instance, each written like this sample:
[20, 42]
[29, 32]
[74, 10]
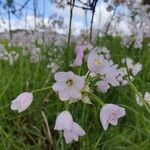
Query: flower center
[69, 82]
[97, 62]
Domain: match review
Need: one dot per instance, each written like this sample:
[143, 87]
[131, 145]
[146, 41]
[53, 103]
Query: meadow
[33, 129]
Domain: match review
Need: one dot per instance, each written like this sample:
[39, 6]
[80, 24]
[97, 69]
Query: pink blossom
[96, 63]
[22, 102]
[102, 86]
[112, 74]
[74, 133]
[112, 79]
[72, 130]
[64, 121]
[79, 55]
[110, 113]
[68, 85]
[79, 50]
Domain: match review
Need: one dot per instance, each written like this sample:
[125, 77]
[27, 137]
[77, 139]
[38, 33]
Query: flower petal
[68, 137]
[64, 95]
[104, 119]
[64, 121]
[58, 86]
[78, 130]
[14, 105]
[60, 76]
[75, 93]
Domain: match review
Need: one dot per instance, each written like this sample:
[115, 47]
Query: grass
[27, 130]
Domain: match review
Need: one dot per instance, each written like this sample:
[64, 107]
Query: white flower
[129, 62]
[138, 98]
[124, 82]
[68, 85]
[147, 97]
[22, 102]
[136, 69]
[123, 71]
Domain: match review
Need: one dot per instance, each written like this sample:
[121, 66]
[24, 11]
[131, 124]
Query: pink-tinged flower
[112, 79]
[22, 102]
[110, 113]
[79, 50]
[68, 85]
[64, 121]
[74, 133]
[79, 55]
[72, 130]
[102, 86]
[112, 74]
[78, 61]
[96, 63]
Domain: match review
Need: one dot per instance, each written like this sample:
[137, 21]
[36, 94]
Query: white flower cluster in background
[10, 57]
[130, 21]
[35, 54]
[130, 70]
[140, 26]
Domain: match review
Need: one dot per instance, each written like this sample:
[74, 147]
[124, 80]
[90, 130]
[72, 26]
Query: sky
[101, 16]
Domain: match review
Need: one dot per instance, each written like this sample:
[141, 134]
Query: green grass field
[27, 130]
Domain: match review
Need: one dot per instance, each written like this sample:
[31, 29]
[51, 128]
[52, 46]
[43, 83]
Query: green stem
[97, 99]
[67, 106]
[87, 76]
[60, 137]
[43, 89]
[80, 70]
[4, 106]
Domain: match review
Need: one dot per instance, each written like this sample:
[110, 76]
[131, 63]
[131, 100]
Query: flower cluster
[130, 21]
[10, 57]
[72, 87]
[70, 128]
[33, 52]
[130, 69]
[102, 74]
